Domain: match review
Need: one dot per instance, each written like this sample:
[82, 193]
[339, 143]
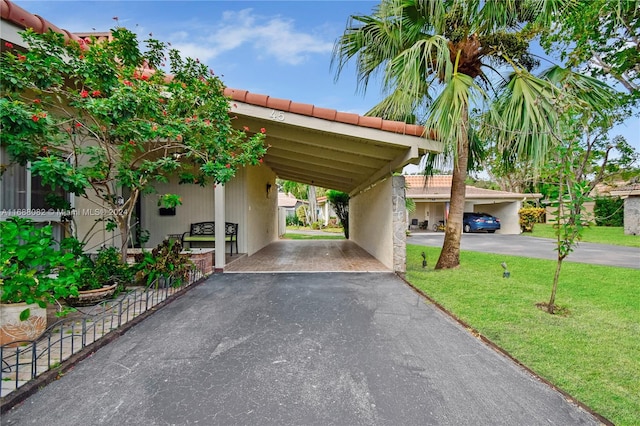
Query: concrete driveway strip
[540, 248]
[298, 349]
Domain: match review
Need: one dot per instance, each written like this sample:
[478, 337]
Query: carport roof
[308, 144]
[325, 147]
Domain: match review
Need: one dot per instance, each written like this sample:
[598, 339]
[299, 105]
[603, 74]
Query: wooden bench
[206, 232]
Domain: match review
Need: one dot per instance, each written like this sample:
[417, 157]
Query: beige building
[432, 197]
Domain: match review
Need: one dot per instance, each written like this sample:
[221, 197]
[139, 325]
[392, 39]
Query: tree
[340, 202]
[581, 154]
[435, 57]
[603, 35]
[102, 120]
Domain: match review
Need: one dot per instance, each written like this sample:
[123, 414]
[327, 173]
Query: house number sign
[277, 115]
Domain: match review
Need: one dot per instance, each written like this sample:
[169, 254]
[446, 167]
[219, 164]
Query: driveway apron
[303, 349]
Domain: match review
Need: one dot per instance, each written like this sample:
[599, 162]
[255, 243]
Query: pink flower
[261, 161]
[127, 83]
[21, 57]
[228, 166]
[246, 129]
[132, 143]
[78, 124]
[84, 94]
[95, 93]
[9, 45]
[35, 118]
[144, 77]
[37, 101]
[263, 130]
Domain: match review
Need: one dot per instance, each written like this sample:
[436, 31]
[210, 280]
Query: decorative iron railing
[25, 360]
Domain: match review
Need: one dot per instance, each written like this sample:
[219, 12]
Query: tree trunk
[450, 254]
[556, 277]
[313, 203]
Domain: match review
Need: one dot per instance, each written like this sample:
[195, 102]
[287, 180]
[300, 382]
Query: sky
[278, 48]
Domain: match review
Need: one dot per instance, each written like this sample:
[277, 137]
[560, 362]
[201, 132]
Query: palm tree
[437, 58]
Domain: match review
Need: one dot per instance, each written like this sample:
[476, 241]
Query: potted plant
[34, 271]
[100, 278]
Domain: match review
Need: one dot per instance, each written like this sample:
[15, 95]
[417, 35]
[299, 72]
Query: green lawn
[592, 353]
[294, 228]
[328, 236]
[595, 234]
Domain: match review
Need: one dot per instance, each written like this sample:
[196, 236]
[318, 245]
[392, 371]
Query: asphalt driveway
[291, 348]
[539, 248]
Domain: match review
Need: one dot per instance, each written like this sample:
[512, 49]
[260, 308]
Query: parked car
[475, 222]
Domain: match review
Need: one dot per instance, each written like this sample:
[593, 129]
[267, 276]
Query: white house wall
[262, 208]
[236, 206]
[197, 206]
[371, 221]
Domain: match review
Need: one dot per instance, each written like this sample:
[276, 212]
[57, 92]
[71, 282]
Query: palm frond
[592, 93]
[528, 117]
[427, 56]
[448, 113]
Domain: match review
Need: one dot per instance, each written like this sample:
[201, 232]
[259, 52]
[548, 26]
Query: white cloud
[272, 37]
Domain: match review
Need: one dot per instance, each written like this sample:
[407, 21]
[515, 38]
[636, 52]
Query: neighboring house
[308, 144]
[325, 210]
[432, 197]
[631, 196]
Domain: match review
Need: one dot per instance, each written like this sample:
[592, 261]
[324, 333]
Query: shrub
[316, 225]
[609, 211]
[164, 261]
[33, 268]
[292, 220]
[529, 216]
[301, 214]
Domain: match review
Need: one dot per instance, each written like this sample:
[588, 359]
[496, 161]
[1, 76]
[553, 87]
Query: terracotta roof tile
[299, 108]
[277, 103]
[347, 117]
[256, 99]
[13, 13]
[324, 113]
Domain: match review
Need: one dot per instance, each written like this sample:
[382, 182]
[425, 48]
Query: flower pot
[91, 297]
[13, 330]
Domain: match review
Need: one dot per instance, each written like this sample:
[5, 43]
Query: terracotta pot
[92, 297]
[12, 329]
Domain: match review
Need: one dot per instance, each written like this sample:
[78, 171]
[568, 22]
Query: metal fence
[25, 360]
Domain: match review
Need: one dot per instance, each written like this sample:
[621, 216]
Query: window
[22, 190]
[23, 194]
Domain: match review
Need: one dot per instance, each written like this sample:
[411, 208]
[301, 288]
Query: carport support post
[219, 216]
[399, 214]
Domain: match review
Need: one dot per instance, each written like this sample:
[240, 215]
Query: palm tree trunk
[450, 254]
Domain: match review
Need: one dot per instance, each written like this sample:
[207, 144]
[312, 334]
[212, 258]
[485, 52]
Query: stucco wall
[632, 215]
[262, 208]
[371, 221]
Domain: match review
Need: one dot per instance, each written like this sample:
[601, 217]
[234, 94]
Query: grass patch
[331, 230]
[591, 351]
[596, 234]
[294, 236]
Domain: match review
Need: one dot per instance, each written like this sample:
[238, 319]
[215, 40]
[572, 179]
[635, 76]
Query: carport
[308, 144]
[331, 149]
